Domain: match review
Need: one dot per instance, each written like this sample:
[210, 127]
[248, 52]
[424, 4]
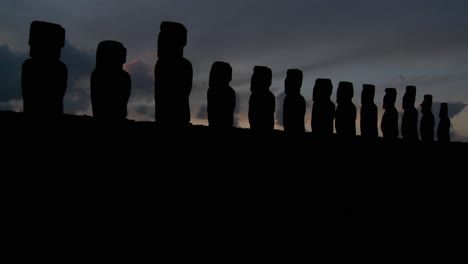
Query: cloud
[454, 108]
[142, 78]
[141, 104]
[457, 137]
[10, 74]
[237, 110]
[202, 113]
[141, 110]
[12, 105]
[279, 109]
[80, 64]
[426, 80]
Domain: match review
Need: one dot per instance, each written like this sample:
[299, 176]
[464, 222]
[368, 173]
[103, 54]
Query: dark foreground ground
[78, 175]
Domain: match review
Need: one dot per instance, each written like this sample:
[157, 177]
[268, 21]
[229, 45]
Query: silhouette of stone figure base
[345, 120]
[427, 120]
[262, 101]
[173, 76]
[409, 121]
[389, 125]
[443, 130]
[110, 84]
[369, 113]
[323, 109]
[44, 76]
[221, 97]
[294, 106]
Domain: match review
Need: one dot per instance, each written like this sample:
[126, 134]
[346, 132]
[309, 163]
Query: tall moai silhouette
[110, 83]
[427, 120]
[443, 130]
[294, 105]
[323, 109]
[173, 77]
[221, 96]
[369, 113]
[409, 121]
[389, 124]
[44, 76]
[262, 101]
[345, 119]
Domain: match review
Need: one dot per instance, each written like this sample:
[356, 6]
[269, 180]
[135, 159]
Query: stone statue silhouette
[389, 124]
[221, 96]
[173, 77]
[294, 105]
[110, 84]
[443, 130]
[44, 76]
[369, 113]
[323, 109]
[427, 120]
[262, 101]
[345, 119]
[409, 122]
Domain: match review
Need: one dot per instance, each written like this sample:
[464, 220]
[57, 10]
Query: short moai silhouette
[323, 109]
[369, 113]
[345, 119]
[221, 96]
[262, 101]
[173, 76]
[389, 124]
[443, 130]
[44, 76]
[427, 120]
[110, 83]
[294, 105]
[409, 121]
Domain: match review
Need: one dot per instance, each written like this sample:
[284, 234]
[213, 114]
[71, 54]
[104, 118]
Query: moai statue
[110, 83]
[262, 101]
[443, 131]
[294, 105]
[221, 96]
[345, 120]
[389, 125]
[427, 120]
[409, 122]
[323, 109]
[369, 113]
[173, 77]
[44, 76]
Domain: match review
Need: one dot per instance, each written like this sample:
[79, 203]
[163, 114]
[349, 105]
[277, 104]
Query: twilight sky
[389, 43]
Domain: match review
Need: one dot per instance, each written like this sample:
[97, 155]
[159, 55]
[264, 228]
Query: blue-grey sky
[389, 43]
